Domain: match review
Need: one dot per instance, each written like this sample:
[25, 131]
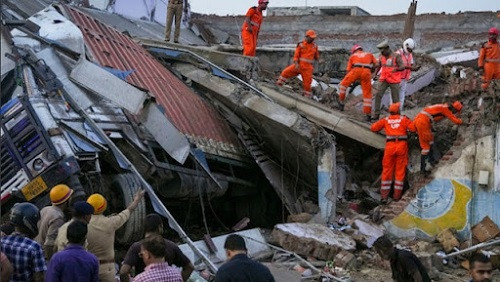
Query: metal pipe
[473, 248]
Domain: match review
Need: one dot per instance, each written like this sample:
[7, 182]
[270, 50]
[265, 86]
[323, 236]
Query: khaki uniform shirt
[51, 218]
[101, 234]
[62, 239]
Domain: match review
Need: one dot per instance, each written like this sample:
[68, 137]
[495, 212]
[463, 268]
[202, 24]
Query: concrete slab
[314, 240]
[219, 257]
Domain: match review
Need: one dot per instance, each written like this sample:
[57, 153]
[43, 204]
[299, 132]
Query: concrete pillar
[327, 183]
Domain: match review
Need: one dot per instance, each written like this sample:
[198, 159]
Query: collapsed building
[202, 124]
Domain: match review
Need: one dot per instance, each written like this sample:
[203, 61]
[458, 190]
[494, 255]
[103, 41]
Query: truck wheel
[123, 188]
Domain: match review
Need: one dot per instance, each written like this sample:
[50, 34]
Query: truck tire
[122, 191]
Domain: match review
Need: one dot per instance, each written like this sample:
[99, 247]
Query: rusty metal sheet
[188, 112]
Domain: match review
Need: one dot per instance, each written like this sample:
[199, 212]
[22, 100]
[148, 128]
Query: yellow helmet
[98, 202]
[60, 193]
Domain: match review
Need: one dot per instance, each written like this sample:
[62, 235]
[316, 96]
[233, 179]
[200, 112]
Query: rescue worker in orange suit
[423, 123]
[305, 54]
[489, 58]
[390, 65]
[396, 151]
[251, 28]
[359, 67]
[406, 54]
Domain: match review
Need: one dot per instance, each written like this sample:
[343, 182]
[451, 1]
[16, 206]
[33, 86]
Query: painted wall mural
[441, 204]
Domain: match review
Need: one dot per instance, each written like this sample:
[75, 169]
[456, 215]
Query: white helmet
[409, 43]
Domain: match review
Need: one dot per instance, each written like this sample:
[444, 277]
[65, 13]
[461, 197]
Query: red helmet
[394, 108]
[263, 1]
[355, 47]
[457, 105]
[493, 31]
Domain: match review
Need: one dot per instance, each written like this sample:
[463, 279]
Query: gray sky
[374, 7]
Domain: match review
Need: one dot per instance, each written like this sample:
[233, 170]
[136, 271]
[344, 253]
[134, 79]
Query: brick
[448, 240]
[485, 230]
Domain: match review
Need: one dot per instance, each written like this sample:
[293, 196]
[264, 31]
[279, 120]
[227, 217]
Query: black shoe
[375, 117]
[423, 161]
[384, 201]
[175, 41]
[368, 118]
[341, 107]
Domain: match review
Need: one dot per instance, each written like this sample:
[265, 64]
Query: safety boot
[375, 118]
[368, 118]
[341, 107]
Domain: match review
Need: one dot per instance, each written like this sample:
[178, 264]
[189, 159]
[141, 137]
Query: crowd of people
[40, 245]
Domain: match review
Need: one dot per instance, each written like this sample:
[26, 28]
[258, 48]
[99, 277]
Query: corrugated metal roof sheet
[187, 111]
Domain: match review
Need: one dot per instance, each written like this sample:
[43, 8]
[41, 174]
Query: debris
[312, 240]
[241, 224]
[448, 239]
[345, 260]
[370, 231]
[471, 249]
[485, 230]
[301, 217]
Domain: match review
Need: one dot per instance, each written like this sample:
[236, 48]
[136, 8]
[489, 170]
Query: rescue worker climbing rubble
[359, 67]
[489, 59]
[423, 123]
[406, 54]
[305, 54]
[251, 28]
[390, 65]
[395, 157]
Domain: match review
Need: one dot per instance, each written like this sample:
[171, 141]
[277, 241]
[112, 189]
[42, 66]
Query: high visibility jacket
[438, 112]
[407, 62]
[395, 127]
[361, 59]
[255, 16]
[388, 65]
[490, 53]
[306, 53]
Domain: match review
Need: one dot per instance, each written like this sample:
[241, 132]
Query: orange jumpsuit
[305, 54]
[395, 154]
[359, 67]
[250, 38]
[489, 58]
[424, 127]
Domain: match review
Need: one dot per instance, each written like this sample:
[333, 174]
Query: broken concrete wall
[431, 30]
[454, 199]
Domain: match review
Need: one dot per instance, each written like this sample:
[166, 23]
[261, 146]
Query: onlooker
[239, 266]
[480, 268]
[153, 226]
[174, 10]
[24, 253]
[153, 254]
[52, 217]
[74, 263]
[6, 268]
[405, 266]
[82, 211]
[101, 235]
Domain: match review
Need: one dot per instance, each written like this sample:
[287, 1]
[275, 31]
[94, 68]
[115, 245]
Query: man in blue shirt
[239, 267]
[74, 263]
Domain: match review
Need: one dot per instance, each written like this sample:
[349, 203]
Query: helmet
[394, 108]
[493, 31]
[98, 202]
[311, 33]
[457, 105]
[59, 194]
[25, 215]
[384, 44]
[409, 43]
[356, 47]
[263, 1]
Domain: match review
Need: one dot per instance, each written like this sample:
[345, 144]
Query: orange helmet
[311, 33]
[98, 202]
[457, 105]
[394, 108]
[355, 47]
[59, 194]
